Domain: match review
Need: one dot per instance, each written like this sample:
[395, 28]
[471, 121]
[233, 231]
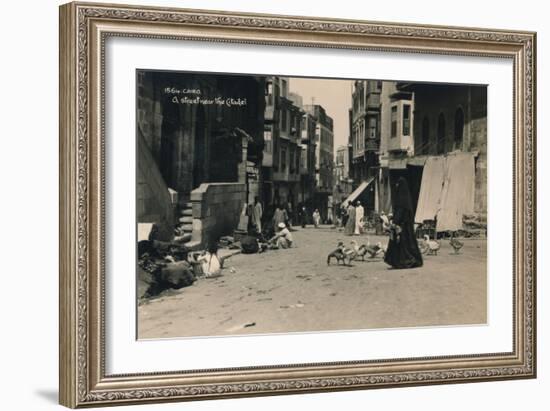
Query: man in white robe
[257, 213]
[359, 215]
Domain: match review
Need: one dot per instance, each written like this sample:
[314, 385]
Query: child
[316, 218]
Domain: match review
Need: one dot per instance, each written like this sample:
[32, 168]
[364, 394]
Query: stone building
[435, 136]
[324, 159]
[396, 143]
[453, 118]
[197, 134]
[308, 162]
[365, 128]
[283, 150]
[343, 184]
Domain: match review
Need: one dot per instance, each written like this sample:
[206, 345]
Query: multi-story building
[283, 149]
[324, 159]
[343, 184]
[365, 124]
[365, 128]
[308, 162]
[396, 142]
[341, 165]
[435, 136]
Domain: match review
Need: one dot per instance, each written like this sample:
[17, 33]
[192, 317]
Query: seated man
[283, 237]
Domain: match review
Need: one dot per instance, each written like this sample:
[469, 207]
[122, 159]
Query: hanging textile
[457, 196]
[430, 189]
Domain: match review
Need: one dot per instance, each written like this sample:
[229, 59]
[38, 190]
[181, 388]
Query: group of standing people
[402, 250]
[282, 237]
[353, 218]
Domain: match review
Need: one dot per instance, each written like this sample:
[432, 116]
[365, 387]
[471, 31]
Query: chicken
[433, 245]
[423, 246]
[457, 245]
[338, 254]
[374, 250]
[350, 254]
[360, 250]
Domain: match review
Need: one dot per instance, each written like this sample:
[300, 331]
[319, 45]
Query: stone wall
[154, 202]
[433, 100]
[216, 211]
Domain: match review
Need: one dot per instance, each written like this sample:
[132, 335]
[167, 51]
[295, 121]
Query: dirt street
[295, 291]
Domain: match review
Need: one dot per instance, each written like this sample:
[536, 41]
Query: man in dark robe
[403, 251]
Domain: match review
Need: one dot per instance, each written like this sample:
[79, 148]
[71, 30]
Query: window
[441, 134]
[283, 120]
[394, 121]
[269, 93]
[372, 128]
[283, 160]
[267, 141]
[406, 119]
[285, 88]
[459, 129]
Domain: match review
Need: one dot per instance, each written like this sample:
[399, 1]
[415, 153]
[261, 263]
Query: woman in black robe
[403, 251]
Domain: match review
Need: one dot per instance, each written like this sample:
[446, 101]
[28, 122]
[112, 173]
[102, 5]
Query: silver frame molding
[84, 27]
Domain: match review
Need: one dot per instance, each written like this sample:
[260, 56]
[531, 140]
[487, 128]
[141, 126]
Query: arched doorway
[459, 129]
[441, 134]
[425, 143]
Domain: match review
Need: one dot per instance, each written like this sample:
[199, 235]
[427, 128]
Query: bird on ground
[360, 250]
[350, 254]
[423, 246]
[456, 244]
[338, 253]
[433, 245]
[374, 250]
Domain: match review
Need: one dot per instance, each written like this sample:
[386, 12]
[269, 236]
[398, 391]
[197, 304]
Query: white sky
[333, 95]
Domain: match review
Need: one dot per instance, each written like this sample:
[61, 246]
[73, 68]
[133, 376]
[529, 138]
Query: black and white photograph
[272, 204]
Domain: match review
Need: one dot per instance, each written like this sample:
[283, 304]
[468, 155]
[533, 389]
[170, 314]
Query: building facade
[281, 169]
[324, 160]
[435, 136]
[186, 140]
[365, 129]
[343, 184]
[308, 161]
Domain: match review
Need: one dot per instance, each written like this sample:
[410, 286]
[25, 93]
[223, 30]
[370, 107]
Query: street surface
[294, 290]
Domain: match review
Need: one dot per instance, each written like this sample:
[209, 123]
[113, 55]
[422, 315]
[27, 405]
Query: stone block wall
[216, 211]
[154, 201]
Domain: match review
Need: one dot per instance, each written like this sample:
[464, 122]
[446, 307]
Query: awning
[353, 196]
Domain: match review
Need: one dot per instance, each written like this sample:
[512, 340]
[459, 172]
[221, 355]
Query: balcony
[401, 143]
[372, 144]
[373, 102]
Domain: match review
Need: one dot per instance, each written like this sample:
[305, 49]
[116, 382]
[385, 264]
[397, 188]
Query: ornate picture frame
[84, 29]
